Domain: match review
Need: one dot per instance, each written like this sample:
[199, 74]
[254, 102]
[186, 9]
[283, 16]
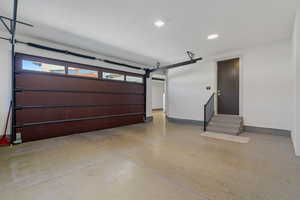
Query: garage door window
[134, 79]
[42, 67]
[82, 72]
[113, 76]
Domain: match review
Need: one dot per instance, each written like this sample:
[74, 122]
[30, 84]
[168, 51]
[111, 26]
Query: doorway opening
[158, 96]
[228, 93]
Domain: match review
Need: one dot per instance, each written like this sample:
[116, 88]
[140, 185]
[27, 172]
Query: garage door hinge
[18, 125]
[18, 90]
[18, 107]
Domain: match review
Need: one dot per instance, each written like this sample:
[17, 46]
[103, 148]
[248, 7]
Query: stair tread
[225, 115]
[216, 120]
[227, 118]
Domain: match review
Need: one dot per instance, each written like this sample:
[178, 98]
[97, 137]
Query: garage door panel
[50, 82]
[38, 132]
[50, 102]
[51, 114]
[59, 98]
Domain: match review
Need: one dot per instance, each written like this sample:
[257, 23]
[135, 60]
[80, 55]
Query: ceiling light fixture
[159, 23]
[212, 36]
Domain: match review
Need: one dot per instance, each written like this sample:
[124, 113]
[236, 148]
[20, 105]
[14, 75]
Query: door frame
[241, 80]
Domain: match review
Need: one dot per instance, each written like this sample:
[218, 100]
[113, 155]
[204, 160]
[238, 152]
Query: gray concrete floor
[156, 161]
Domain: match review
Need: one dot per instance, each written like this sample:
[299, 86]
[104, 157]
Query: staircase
[230, 124]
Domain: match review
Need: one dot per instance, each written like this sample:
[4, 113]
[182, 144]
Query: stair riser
[225, 128]
[229, 116]
[236, 132]
[226, 121]
[221, 125]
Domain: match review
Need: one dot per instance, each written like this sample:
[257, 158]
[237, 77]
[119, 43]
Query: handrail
[211, 111]
[213, 94]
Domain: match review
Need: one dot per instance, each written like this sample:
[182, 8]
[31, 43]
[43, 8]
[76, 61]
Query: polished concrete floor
[157, 161]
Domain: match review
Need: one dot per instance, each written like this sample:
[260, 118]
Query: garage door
[56, 98]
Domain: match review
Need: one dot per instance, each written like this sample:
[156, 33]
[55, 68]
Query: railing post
[204, 127]
[211, 104]
[13, 82]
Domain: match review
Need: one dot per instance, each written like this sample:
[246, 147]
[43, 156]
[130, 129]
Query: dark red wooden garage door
[56, 98]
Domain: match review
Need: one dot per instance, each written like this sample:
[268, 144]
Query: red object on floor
[4, 141]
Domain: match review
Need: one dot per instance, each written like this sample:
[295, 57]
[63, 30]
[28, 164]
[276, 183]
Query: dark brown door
[228, 86]
[56, 98]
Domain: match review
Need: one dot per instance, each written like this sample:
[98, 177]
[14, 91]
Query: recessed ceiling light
[159, 23]
[212, 36]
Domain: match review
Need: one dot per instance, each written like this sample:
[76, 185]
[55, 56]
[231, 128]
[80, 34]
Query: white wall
[157, 94]
[266, 86]
[5, 75]
[5, 83]
[186, 90]
[296, 66]
[149, 97]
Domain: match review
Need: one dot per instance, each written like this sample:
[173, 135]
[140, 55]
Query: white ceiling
[124, 28]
